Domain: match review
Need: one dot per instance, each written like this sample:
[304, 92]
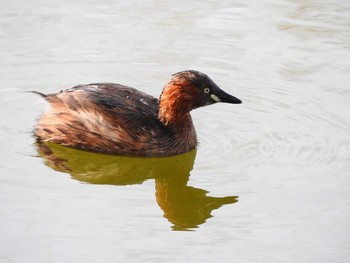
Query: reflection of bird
[184, 206]
[115, 170]
[112, 118]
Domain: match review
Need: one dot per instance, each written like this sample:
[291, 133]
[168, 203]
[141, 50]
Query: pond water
[270, 179]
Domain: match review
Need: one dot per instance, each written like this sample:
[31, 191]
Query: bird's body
[116, 119]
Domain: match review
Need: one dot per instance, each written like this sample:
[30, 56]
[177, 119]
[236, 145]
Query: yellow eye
[206, 90]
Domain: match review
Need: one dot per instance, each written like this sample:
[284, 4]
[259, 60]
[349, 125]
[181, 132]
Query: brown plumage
[116, 119]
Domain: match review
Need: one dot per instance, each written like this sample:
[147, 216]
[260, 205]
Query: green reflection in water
[186, 207]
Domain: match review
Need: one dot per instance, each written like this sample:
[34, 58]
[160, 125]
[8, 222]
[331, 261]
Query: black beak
[221, 96]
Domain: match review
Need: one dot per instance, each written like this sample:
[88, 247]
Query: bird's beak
[221, 96]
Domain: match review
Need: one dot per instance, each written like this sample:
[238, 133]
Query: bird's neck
[175, 104]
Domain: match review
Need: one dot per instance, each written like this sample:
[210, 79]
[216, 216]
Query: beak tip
[233, 100]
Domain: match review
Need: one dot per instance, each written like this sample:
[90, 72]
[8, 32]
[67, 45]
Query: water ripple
[276, 126]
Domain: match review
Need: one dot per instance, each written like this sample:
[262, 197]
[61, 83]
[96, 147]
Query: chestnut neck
[176, 102]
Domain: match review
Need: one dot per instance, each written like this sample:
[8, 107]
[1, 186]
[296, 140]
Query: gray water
[270, 179]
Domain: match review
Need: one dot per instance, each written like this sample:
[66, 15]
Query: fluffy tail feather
[38, 93]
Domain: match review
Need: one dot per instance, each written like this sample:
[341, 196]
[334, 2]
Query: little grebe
[116, 119]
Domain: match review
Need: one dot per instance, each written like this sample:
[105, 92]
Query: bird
[120, 120]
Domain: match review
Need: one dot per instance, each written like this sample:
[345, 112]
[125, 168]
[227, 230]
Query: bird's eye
[206, 90]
